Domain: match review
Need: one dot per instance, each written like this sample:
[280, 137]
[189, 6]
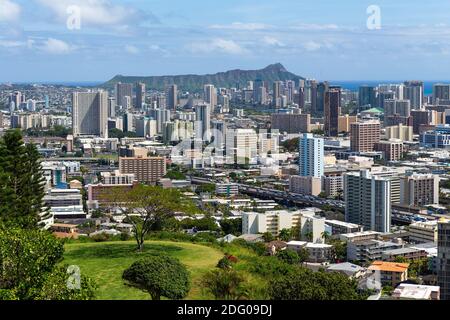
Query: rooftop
[389, 266]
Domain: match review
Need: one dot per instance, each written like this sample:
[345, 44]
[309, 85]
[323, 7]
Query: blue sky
[322, 39]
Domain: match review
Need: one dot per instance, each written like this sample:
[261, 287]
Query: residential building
[227, 189]
[116, 177]
[332, 110]
[368, 200]
[409, 254]
[291, 123]
[341, 227]
[140, 95]
[172, 97]
[406, 291]
[401, 132]
[390, 273]
[364, 135]
[392, 149]
[311, 154]
[423, 232]
[90, 113]
[443, 265]
[305, 185]
[369, 250]
[146, 169]
[419, 189]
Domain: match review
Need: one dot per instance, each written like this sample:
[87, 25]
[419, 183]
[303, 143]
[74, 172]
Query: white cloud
[315, 27]
[241, 26]
[55, 46]
[312, 46]
[217, 45]
[93, 12]
[271, 41]
[131, 49]
[9, 11]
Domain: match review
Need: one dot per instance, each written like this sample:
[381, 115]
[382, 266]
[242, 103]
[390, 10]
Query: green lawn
[106, 261]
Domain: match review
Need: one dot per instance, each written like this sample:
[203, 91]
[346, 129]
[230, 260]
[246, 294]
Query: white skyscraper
[90, 113]
[203, 122]
[368, 200]
[311, 156]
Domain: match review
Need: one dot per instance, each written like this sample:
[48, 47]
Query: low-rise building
[423, 232]
[305, 185]
[341, 227]
[360, 236]
[348, 269]
[389, 273]
[227, 189]
[410, 254]
[369, 250]
[405, 291]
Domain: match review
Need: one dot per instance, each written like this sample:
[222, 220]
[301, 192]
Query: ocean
[354, 85]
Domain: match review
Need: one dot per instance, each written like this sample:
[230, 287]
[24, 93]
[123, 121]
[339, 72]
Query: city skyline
[323, 40]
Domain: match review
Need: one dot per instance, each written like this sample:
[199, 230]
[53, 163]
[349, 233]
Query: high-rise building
[364, 135]
[210, 96]
[111, 107]
[404, 133]
[420, 117]
[311, 154]
[368, 200]
[123, 90]
[367, 96]
[392, 149]
[443, 258]
[440, 92]
[128, 122]
[140, 95]
[332, 111]
[203, 122]
[146, 169]
[242, 146]
[318, 98]
[419, 189]
[277, 89]
[414, 92]
[172, 97]
[291, 123]
[90, 113]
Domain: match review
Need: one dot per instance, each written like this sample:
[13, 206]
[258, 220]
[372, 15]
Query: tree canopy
[160, 276]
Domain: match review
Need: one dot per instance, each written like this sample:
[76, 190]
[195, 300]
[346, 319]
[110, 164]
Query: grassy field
[106, 261]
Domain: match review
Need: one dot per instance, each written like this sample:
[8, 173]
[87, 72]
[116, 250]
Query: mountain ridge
[194, 82]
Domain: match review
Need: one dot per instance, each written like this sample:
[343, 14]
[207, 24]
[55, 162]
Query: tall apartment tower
[123, 90]
[364, 135]
[368, 200]
[210, 95]
[414, 92]
[147, 170]
[332, 110]
[318, 98]
[203, 122]
[441, 92]
[419, 189]
[140, 95]
[311, 149]
[367, 96]
[277, 89]
[172, 97]
[90, 113]
[443, 261]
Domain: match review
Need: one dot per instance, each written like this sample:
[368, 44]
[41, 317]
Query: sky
[94, 40]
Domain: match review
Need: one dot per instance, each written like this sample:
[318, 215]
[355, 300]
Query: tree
[285, 235]
[268, 237]
[160, 276]
[288, 256]
[304, 284]
[147, 207]
[326, 236]
[303, 255]
[22, 183]
[29, 271]
[56, 286]
[224, 284]
[231, 226]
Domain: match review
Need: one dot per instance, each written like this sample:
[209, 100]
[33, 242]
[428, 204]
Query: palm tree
[326, 236]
